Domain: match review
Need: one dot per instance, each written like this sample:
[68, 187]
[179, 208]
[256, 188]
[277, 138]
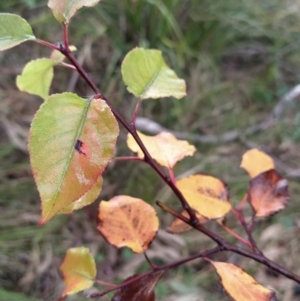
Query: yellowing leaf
[164, 148]
[14, 30]
[64, 10]
[139, 290]
[146, 75]
[268, 193]
[128, 222]
[78, 269]
[206, 195]
[240, 286]
[70, 143]
[255, 162]
[85, 200]
[178, 226]
[36, 77]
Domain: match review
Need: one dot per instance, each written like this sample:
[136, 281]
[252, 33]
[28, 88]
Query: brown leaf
[128, 222]
[164, 148]
[240, 286]
[205, 194]
[255, 162]
[178, 226]
[140, 290]
[268, 193]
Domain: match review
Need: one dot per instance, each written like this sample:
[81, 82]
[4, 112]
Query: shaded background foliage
[238, 59]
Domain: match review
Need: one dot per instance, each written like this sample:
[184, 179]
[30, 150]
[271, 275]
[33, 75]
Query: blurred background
[241, 62]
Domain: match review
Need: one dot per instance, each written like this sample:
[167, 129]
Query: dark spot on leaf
[78, 146]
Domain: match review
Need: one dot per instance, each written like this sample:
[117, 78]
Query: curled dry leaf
[255, 162]
[78, 269]
[128, 222]
[140, 290]
[240, 286]
[165, 148]
[268, 193]
[205, 194]
[178, 226]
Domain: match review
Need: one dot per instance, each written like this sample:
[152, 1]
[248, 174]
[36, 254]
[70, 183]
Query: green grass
[238, 59]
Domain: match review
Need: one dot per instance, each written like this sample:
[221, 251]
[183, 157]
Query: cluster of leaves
[72, 139]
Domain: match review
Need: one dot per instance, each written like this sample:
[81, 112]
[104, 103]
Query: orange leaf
[128, 222]
[240, 286]
[140, 290]
[205, 194]
[255, 162]
[78, 269]
[164, 148]
[268, 193]
[178, 226]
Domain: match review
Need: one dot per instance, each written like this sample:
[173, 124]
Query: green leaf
[36, 77]
[146, 75]
[70, 143]
[14, 30]
[64, 10]
[78, 269]
[85, 200]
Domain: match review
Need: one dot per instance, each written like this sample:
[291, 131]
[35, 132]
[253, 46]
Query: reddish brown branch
[158, 268]
[193, 221]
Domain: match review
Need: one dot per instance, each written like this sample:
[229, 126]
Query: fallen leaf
[78, 269]
[268, 193]
[255, 162]
[205, 194]
[239, 285]
[165, 148]
[125, 221]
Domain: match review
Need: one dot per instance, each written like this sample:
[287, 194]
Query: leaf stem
[128, 158]
[232, 233]
[47, 44]
[136, 111]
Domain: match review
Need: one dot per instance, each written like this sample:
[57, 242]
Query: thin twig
[158, 268]
[132, 130]
[193, 221]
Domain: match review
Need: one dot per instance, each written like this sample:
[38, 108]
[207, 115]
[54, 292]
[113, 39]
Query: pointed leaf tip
[70, 143]
[146, 75]
[63, 11]
[78, 269]
[14, 30]
[239, 285]
[125, 221]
